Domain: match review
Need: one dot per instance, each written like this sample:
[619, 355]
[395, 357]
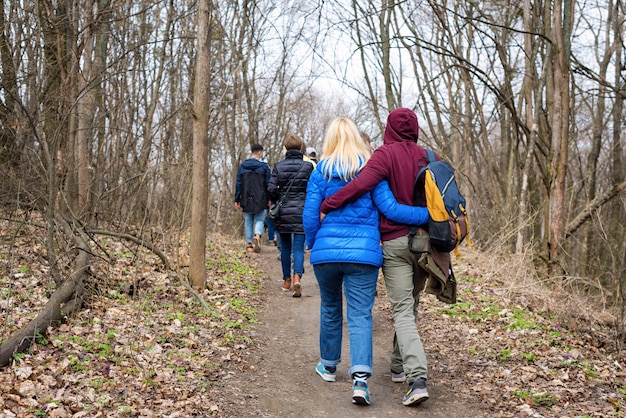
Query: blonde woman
[398, 161]
[346, 253]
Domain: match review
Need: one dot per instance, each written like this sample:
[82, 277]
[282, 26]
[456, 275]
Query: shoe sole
[360, 399]
[326, 377]
[297, 290]
[398, 379]
[257, 246]
[416, 399]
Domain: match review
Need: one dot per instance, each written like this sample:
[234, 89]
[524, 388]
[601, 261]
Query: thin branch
[136, 240]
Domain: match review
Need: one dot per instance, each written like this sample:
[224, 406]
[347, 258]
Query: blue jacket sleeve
[311, 214]
[397, 212]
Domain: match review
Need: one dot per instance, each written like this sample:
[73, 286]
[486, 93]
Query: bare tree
[498, 97]
[197, 267]
[103, 110]
[9, 104]
[561, 21]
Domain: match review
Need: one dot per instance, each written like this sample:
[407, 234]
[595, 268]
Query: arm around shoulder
[386, 202]
[367, 179]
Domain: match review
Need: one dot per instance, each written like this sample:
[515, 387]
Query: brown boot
[257, 243]
[249, 248]
[286, 285]
[297, 287]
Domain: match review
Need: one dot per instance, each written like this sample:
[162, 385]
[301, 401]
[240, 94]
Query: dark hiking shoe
[416, 393]
[398, 377]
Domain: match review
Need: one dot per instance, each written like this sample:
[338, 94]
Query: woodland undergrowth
[528, 348]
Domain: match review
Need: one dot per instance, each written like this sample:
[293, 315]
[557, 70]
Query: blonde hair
[344, 150]
[366, 138]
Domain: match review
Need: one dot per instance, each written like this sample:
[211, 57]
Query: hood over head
[402, 125]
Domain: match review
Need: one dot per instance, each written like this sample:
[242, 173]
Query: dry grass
[578, 303]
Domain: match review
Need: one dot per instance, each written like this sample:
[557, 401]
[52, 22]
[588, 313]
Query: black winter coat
[253, 176]
[292, 166]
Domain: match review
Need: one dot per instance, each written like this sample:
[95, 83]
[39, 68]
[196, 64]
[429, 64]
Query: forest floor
[147, 346]
[488, 357]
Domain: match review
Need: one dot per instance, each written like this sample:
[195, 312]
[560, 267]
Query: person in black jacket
[287, 184]
[253, 176]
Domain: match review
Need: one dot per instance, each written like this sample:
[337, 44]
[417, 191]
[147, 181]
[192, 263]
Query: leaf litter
[145, 346]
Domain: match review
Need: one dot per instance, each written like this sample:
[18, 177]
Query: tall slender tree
[197, 267]
[561, 47]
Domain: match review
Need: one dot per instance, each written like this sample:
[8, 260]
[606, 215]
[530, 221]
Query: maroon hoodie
[398, 161]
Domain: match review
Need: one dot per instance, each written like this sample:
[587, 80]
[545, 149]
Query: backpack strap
[431, 157]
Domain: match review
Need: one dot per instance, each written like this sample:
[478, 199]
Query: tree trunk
[65, 300]
[618, 212]
[560, 130]
[197, 269]
[385, 48]
[528, 90]
[85, 109]
[8, 115]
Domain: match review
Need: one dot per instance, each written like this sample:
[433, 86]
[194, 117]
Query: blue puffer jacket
[350, 234]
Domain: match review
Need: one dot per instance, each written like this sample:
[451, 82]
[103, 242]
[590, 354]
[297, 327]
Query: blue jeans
[253, 223]
[359, 287]
[270, 226]
[292, 243]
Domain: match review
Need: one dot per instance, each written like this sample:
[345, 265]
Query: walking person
[346, 253]
[251, 196]
[287, 185]
[311, 153]
[398, 160]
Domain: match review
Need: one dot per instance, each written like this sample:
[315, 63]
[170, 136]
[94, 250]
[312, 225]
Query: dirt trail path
[283, 382]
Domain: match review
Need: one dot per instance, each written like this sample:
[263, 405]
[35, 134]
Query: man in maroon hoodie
[398, 161]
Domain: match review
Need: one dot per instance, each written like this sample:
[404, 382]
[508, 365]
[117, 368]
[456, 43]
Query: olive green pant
[404, 280]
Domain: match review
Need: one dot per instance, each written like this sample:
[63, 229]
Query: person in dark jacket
[346, 252]
[398, 161]
[288, 185]
[253, 176]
